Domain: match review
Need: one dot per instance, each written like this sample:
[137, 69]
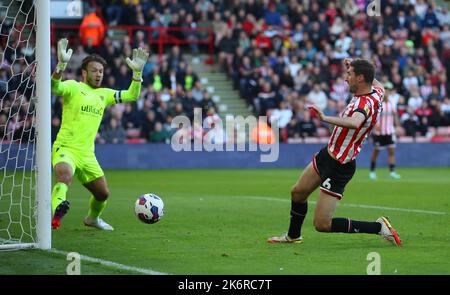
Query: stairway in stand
[215, 81]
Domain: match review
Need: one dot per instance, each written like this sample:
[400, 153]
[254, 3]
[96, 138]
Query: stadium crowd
[280, 55]
[284, 55]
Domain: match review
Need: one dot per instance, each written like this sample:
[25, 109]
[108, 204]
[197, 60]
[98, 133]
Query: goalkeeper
[83, 107]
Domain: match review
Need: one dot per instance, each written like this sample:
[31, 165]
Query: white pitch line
[355, 206]
[111, 264]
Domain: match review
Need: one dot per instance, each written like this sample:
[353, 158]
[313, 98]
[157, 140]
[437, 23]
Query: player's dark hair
[365, 68]
[92, 57]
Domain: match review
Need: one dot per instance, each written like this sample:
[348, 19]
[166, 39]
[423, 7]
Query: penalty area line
[110, 264]
[356, 206]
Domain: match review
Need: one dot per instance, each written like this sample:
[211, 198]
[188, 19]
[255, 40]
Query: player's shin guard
[96, 207]
[298, 214]
[346, 225]
[58, 195]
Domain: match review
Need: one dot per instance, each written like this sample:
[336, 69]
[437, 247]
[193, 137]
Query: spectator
[113, 133]
[282, 115]
[267, 99]
[445, 109]
[189, 26]
[435, 94]
[430, 19]
[175, 57]
[156, 80]
[272, 17]
[426, 89]
[130, 117]
[206, 103]
[218, 25]
[189, 78]
[443, 15]
[159, 135]
[339, 90]
[307, 126]
[189, 104]
[77, 58]
[197, 92]
[215, 133]
[410, 122]
[92, 30]
[294, 66]
[415, 100]
[317, 97]
[410, 81]
[293, 128]
[205, 24]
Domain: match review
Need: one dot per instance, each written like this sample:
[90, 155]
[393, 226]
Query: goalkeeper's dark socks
[345, 225]
[372, 166]
[298, 213]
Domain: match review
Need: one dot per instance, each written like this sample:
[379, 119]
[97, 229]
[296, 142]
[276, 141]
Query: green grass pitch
[217, 222]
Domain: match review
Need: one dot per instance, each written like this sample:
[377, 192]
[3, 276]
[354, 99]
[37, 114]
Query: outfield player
[333, 166]
[384, 134]
[83, 107]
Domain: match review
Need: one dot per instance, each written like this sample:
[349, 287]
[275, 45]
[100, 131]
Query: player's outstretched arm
[64, 56]
[353, 122]
[140, 57]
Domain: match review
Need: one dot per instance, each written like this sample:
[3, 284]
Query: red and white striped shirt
[345, 143]
[385, 124]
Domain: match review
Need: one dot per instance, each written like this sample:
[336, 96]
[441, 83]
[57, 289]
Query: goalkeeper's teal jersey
[83, 108]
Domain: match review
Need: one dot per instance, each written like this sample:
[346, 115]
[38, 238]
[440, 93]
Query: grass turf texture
[217, 222]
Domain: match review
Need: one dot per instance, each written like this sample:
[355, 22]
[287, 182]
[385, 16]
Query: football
[149, 208]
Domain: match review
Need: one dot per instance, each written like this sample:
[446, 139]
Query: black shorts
[381, 141]
[333, 174]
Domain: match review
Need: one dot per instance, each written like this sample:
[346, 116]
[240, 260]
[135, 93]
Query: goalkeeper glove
[140, 57]
[64, 55]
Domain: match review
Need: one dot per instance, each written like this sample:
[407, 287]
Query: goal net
[22, 213]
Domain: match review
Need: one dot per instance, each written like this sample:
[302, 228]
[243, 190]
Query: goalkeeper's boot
[394, 175]
[60, 211]
[97, 222]
[388, 232]
[284, 239]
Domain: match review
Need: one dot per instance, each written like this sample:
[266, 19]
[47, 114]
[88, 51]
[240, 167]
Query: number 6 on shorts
[326, 184]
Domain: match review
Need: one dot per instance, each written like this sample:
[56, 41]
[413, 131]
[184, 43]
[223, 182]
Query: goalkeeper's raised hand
[140, 57]
[64, 55]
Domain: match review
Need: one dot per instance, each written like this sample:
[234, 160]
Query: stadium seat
[443, 131]
[423, 139]
[133, 132]
[406, 139]
[311, 140]
[135, 140]
[322, 132]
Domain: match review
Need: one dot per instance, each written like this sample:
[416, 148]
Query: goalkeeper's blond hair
[92, 57]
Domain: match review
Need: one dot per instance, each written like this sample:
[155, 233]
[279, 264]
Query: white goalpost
[25, 133]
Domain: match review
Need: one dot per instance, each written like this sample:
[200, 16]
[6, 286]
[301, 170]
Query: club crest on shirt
[102, 97]
[367, 107]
